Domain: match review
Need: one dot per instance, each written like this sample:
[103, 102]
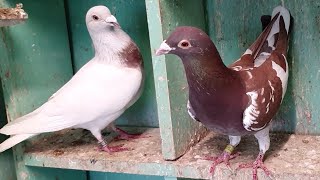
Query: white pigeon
[97, 94]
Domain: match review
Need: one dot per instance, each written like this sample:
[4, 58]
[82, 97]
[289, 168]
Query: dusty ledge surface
[289, 157]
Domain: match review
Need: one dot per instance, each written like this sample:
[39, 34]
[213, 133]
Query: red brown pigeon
[239, 99]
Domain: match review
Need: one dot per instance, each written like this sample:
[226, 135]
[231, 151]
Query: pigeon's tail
[278, 36]
[274, 36]
[13, 140]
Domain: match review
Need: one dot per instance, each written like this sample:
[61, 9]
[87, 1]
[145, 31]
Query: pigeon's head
[186, 41]
[99, 19]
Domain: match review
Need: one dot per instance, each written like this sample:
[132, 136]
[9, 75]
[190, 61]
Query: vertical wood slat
[178, 131]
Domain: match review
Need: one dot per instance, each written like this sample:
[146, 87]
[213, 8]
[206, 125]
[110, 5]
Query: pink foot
[126, 136]
[111, 149]
[258, 163]
[223, 158]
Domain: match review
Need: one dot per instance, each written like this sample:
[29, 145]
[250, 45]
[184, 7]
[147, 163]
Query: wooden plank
[234, 25]
[290, 156]
[131, 15]
[178, 131]
[35, 61]
[170, 178]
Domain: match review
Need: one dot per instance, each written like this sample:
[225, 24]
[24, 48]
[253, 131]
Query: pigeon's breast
[97, 90]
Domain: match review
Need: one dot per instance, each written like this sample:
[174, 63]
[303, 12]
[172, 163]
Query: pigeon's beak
[113, 21]
[163, 49]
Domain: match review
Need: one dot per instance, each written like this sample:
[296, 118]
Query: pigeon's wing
[265, 88]
[96, 91]
[262, 106]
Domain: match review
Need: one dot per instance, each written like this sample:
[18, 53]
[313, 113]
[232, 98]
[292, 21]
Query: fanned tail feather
[274, 36]
[278, 35]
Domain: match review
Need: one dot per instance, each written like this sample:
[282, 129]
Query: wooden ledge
[289, 157]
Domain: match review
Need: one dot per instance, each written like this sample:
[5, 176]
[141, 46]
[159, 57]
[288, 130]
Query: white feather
[234, 140]
[276, 28]
[14, 140]
[284, 13]
[251, 112]
[261, 59]
[263, 139]
[189, 111]
[97, 91]
[283, 75]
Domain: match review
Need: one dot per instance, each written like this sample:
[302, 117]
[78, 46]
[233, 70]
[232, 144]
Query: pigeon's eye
[95, 17]
[184, 44]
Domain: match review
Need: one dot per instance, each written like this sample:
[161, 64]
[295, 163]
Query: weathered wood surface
[290, 156]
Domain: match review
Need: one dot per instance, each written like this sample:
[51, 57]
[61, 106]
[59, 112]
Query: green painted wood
[35, 61]
[131, 15]
[178, 131]
[171, 178]
[233, 30]
[39, 173]
[175, 178]
[116, 176]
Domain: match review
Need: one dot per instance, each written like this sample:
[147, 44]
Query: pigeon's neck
[116, 48]
[207, 75]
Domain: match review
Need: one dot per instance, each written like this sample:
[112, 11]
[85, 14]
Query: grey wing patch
[191, 112]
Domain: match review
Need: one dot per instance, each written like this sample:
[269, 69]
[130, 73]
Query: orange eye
[95, 17]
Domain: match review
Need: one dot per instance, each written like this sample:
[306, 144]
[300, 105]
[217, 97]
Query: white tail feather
[276, 28]
[13, 140]
[284, 13]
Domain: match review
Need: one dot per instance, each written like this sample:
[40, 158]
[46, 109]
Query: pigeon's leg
[226, 155]
[124, 135]
[264, 144]
[104, 145]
